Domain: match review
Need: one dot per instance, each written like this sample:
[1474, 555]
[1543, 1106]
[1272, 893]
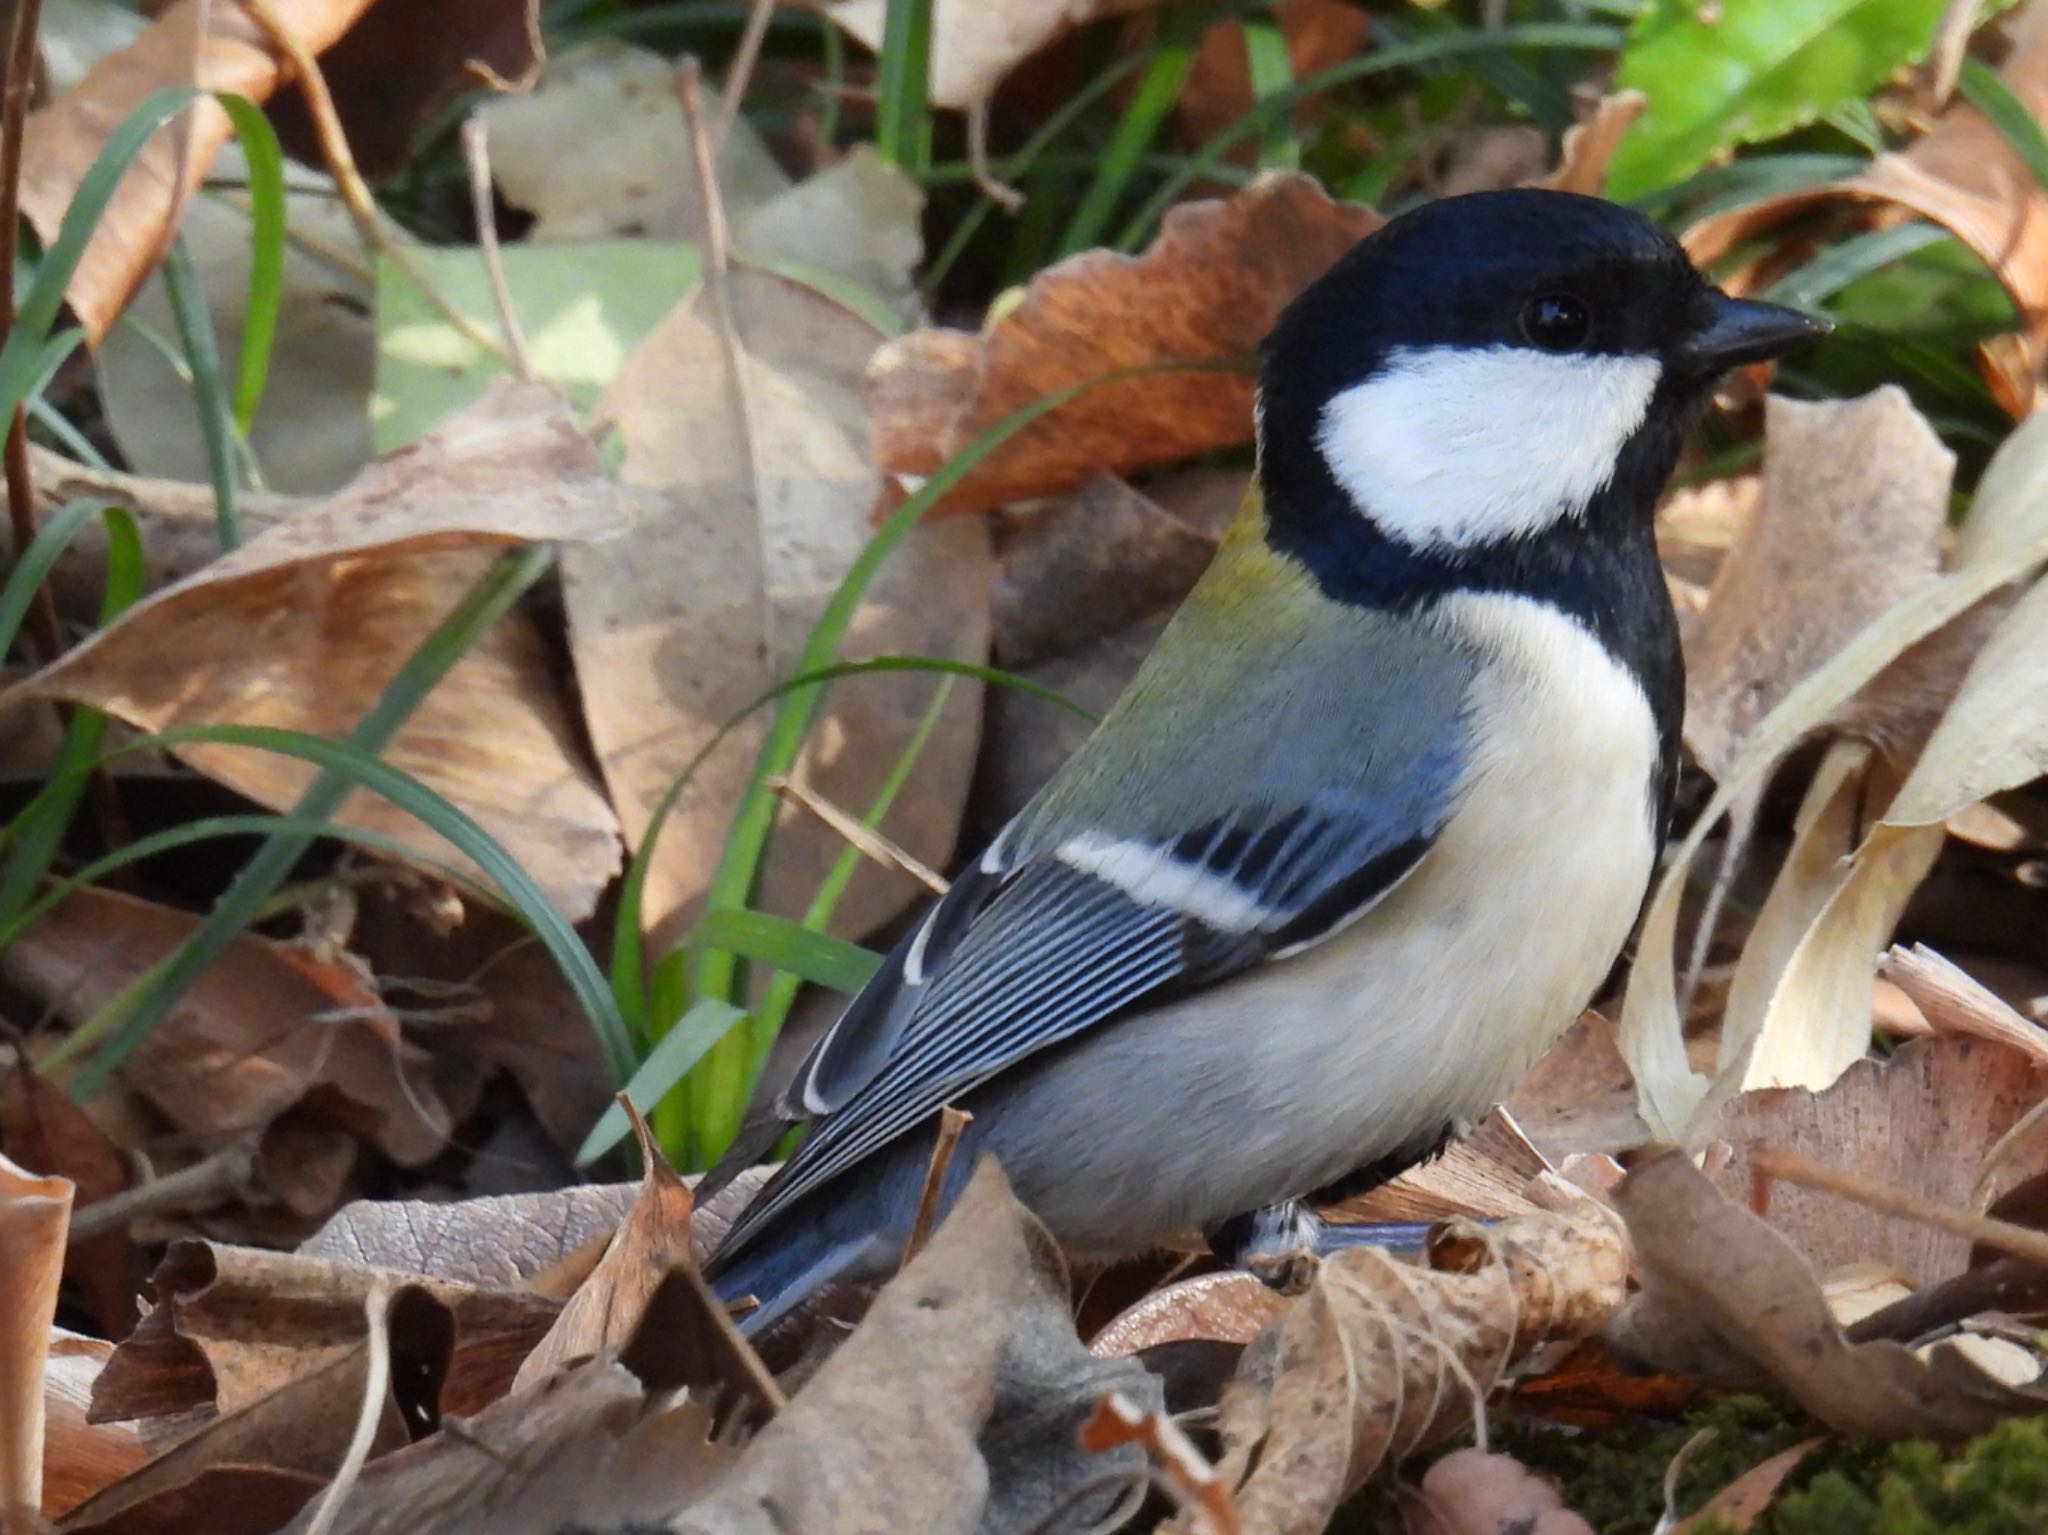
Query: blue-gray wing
[1020, 956]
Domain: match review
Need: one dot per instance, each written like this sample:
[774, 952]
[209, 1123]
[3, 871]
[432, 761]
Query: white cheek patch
[1450, 447]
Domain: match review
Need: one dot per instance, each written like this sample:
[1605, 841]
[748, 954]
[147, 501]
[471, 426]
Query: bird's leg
[1276, 1244]
[1280, 1244]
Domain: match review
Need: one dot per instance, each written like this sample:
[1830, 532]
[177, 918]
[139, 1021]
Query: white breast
[1465, 973]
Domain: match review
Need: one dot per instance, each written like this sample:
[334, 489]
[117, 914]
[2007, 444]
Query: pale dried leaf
[312, 430]
[953, 1408]
[1725, 1296]
[64, 138]
[1589, 146]
[79, 1458]
[1103, 559]
[976, 42]
[1743, 1501]
[1880, 1119]
[1232, 1307]
[585, 1449]
[1649, 1029]
[1379, 1356]
[234, 1325]
[1855, 497]
[1205, 292]
[303, 627]
[600, 148]
[1953, 1002]
[1579, 1098]
[498, 1240]
[34, 1212]
[607, 1306]
[753, 458]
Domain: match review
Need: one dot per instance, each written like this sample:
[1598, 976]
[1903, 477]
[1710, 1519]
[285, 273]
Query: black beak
[1742, 330]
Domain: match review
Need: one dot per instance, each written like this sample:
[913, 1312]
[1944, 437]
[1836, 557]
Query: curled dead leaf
[268, 1025]
[1378, 1356]
[1725, 1296]
[1206, 292]
[305, 625]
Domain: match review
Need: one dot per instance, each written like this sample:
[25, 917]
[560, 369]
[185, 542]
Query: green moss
[1997, 1485]
[1614, 1476]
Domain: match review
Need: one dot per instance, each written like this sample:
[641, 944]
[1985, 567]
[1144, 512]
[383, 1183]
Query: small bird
[1374, 819]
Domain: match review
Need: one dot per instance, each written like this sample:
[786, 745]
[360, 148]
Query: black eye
[1557, 322]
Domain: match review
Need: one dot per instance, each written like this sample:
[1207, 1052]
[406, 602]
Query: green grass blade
[141, 1007]
[1564, 36]
[209, 393]
[673, 1057]
[1271, 71]
[1180, 34]
[717, 1093]
[628, 969]
[21, 355]
[170, 839]
[37, 834]
[782, 991]
[1839, 265]
[32, 566]
[788, 946]
[266, 255]
[1013, 168]
[903, 118]
[1985, 89]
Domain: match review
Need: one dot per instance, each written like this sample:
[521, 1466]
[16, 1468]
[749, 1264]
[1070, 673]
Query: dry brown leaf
[1881, 1119]
[304, 626]
[64, 138]
[1743, 1501]
[1218, 89]
[1379, 1356]
[902, 1430]
[252, 1465]
[1953, 1002]
[1965, 176]
[1589, 147]
[79, 1458]
[268, 1024]
[585, 1449]
[607, 1307]
[1580, 1097]
[754, 461]
[1696, 527]
[1726, 1297]
[233, 1325]
[1230, 1307]
[976, 42]
[43, 1129]
[1207, 291]
[1474, 1492]
[33, 1214]
[1105, 558]
[1855, 498]
[1481, 1175]
[497, 1241]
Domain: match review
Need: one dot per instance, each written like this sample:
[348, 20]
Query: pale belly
[1421, 1014]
